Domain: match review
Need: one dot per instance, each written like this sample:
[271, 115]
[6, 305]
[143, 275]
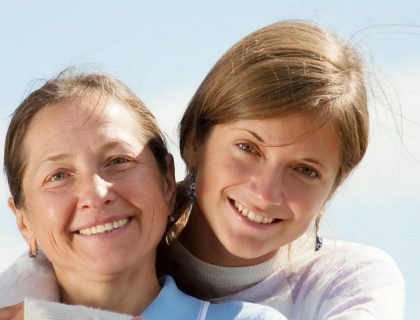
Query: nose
[267, 186]
[95, 193]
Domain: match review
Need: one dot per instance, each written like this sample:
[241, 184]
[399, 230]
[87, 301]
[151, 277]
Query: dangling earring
[33, 250]
[318, 238]
[171, 218]
[178, 224]
[318, 242]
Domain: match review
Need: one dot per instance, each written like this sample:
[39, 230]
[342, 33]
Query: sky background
[163, 49]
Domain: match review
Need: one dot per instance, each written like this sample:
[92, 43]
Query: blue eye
[118, 161]
[247, 147]
[58, 176]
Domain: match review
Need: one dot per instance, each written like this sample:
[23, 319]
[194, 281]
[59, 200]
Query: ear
[23, 223]
[169, 180]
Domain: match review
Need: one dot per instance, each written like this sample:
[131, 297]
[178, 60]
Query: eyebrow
[105, 146]
[252, 133]
[115, 143]
[310, 160]
[313, 161]
[55, 157]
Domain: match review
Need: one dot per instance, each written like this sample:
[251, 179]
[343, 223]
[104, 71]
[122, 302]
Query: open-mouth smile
[250, 215]
[106, 227]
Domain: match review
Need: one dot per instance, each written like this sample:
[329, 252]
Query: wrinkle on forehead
[88, 112]
[95, 102]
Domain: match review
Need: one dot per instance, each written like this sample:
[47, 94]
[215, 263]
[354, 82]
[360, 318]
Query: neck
[212, 250]
[129, 293]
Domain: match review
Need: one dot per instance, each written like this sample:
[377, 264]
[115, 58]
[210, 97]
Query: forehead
[288, 129]
[84, 112]
[81, 116]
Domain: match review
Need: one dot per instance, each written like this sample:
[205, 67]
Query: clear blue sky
[163, 49]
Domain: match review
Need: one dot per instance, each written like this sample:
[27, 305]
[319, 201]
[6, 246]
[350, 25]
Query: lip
[250, 223]
[103, 220]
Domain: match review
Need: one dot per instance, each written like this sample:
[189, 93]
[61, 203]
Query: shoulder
[346, 258]
[238, 310]
[346, 266]
[28, 278]
[350, 277]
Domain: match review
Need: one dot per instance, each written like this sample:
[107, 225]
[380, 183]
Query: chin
[253, 253]
[112, 265]
[108, 267]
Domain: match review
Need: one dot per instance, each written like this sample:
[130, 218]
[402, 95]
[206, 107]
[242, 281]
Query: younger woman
[274, 129]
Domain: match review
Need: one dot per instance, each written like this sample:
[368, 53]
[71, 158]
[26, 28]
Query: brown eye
[246, 147]
[308, 171]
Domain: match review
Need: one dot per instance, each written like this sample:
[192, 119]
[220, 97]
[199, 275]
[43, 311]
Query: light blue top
[171, 303]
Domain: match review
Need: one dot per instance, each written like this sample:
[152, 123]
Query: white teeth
[251, 215]
[102, 228]
[109, 226]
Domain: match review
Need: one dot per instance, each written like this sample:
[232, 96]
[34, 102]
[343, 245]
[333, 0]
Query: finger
[14, 312]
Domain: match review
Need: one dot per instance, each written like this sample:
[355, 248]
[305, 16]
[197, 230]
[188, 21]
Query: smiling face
[260, 184]
[95, 199]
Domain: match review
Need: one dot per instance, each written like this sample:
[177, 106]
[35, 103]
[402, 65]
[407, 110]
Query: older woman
[93, 185]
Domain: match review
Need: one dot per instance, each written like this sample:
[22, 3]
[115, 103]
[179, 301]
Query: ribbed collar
[209, 281]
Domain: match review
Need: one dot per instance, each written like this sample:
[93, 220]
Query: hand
[14, 312]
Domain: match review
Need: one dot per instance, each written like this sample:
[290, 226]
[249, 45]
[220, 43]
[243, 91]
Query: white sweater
[341, 281]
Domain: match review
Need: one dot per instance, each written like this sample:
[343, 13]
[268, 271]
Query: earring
[190, 183]
[318, 238]
[318, 242]
[171, 218]
[33, 250]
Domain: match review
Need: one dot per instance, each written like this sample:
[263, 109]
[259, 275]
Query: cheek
[221, 169]
[49, 211]
[148, 195]
[306, 201]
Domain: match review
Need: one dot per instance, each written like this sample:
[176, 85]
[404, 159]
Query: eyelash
[53, 177]
[113, 161]
[247, 147]
[60, 175]
[313, 174]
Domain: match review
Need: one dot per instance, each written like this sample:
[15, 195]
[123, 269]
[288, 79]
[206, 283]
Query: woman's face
[260, 183]
[95, 199]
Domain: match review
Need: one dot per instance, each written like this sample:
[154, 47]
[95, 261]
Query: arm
[45, 310]
[28, 278]
[35, 309]
[370, 287]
